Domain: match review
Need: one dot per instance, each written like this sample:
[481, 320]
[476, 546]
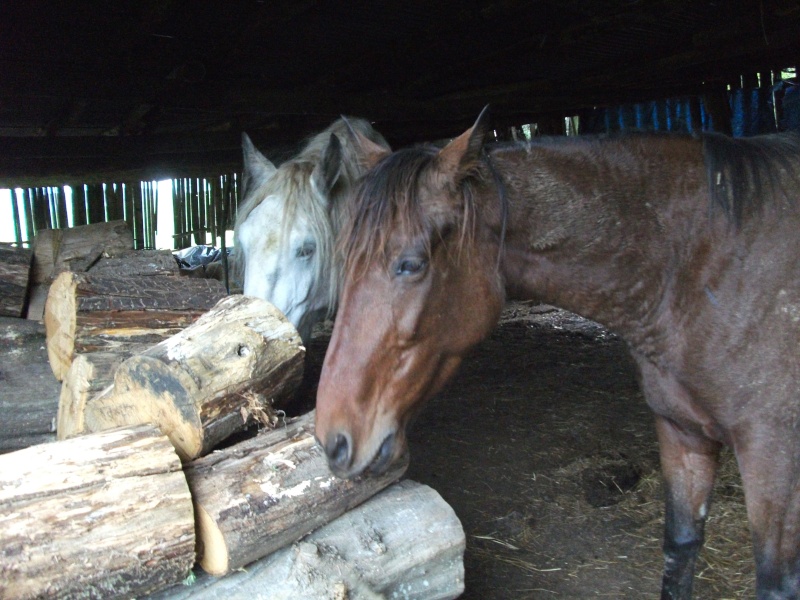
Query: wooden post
[209, 381]
[106, 515]
[261, 494]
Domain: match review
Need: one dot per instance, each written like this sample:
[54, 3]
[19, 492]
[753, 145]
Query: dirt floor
[546, 450]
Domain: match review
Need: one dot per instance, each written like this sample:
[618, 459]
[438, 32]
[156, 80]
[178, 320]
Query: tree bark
[28, 392]
[86, 313]
[208, 381]
[77, 248]
[135, 263]
[405, 542]
[107, 515]
[15, 274]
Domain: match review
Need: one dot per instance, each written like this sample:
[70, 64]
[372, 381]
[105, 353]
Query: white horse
[287, 224]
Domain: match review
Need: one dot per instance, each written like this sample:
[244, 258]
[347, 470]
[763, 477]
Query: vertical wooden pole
[41, 209]
[177, 215]
[79, 205]
[30, 227]
[61, 209]
[114, 202]
[16, 216]
[96, 203]
[138, 220]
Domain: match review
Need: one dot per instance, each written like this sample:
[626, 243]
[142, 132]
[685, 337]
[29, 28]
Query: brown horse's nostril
[339, 453]
[384, 457]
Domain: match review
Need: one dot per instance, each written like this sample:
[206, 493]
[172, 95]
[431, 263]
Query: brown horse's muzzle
[341, 453]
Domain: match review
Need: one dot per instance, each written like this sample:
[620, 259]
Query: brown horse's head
[421, 289]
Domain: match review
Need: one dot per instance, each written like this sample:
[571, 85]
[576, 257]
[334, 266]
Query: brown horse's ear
[369, 152]
[327, 170]
[461, 155]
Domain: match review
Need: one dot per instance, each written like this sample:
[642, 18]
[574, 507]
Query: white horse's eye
[307, 250]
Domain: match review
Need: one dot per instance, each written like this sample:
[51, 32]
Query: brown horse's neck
[586, 222]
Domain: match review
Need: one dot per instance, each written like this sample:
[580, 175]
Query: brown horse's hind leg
[689, 464]
[769, 462]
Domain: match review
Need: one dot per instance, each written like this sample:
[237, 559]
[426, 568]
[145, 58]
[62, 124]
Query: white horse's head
[287, 223]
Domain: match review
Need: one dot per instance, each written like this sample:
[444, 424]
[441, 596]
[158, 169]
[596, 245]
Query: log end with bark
[87, 313]
[211, 380]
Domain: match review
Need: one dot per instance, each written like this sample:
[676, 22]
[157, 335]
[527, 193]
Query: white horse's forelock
[292, 183]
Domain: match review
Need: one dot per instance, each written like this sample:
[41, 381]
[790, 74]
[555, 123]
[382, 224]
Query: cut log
[15, 275]
[28, 392]
[266, 492]
[77, 248]
[106, 515]
[136, 263]
[209, 381]
[406, 542]
[88, 376]
[87, 313]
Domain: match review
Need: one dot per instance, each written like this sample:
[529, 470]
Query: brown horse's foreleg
[769, 461]
[689, 464]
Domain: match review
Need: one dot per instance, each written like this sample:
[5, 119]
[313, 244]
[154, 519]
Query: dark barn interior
[164, 88]
[108, 97]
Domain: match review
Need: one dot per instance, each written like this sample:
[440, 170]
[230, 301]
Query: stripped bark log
[15, 275]
[88, 376]
[405, 542]
[210, 380]
[266, 492]
[86, 313]
[107, 515]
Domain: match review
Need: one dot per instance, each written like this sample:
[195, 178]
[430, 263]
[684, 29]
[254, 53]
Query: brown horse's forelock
[386, 196]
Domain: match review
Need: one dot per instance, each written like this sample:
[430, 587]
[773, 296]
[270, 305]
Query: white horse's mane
[292, 182]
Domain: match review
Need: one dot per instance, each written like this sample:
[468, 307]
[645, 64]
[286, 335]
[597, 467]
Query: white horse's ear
[257, 167]
[369, 152]
[461, 155]
[327, 170]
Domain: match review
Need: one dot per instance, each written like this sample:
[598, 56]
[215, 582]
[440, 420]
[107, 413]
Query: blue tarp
[752, 112]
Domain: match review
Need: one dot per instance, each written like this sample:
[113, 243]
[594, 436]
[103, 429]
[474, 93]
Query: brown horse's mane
[743, 174]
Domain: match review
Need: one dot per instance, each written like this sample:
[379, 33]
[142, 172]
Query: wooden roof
[160, 87]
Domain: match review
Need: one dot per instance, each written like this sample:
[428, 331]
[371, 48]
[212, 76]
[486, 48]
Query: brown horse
[687, 248]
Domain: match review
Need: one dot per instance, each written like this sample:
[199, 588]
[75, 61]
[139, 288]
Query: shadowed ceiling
[162, 87]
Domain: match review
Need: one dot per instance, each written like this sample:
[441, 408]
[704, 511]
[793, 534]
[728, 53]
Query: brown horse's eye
[410, 266]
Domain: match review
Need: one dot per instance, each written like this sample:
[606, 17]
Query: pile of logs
[157, 372]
